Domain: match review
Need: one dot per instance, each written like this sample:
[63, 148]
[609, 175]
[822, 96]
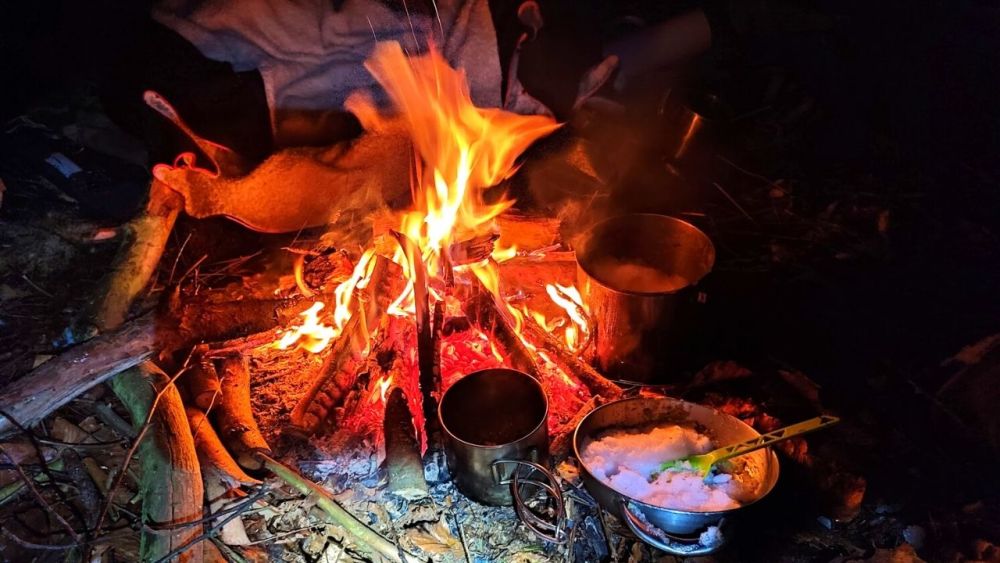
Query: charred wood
[597, 383]
[402, 449]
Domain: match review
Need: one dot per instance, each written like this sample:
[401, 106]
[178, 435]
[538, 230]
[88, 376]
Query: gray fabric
[311, 56]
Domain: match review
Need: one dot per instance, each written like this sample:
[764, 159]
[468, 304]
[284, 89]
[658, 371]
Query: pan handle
[641, 531]
[554, 532]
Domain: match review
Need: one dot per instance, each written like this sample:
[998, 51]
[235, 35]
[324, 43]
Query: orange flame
[381, 388]
[569, 298]
[311, 335]
[462, 149]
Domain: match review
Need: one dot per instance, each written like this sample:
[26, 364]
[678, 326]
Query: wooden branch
[221, 475]
[402, 451]
[170, 476]
[234, 414]
[361, 533]
[57, 381]
[597, 383]
[216, 461]
[202, 382]
[146, 237]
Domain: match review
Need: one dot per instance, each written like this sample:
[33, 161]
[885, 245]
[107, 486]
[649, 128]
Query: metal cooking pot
[671, 530]
[640, 324]
[496, 443]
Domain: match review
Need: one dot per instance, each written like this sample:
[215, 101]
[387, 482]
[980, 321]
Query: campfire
[338, 370]
[427, 303]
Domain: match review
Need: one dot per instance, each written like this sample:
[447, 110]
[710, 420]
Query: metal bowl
[678, 530]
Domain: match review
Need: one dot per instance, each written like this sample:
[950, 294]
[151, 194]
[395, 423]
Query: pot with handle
[672, 530]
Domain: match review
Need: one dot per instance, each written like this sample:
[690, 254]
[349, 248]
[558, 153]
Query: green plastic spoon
[702, 463]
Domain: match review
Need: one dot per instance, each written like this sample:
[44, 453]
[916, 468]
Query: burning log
[203, 384]
[597, 383]
[484, 311]
[339, 370]
[235, 416]
[170, 482]
[402, 450]
[336, 378]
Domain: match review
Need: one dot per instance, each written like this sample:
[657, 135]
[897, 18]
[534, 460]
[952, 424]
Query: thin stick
[361, 532]
[734, 202]
[41, 500]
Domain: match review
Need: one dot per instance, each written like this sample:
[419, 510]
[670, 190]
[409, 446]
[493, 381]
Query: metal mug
[496, 442]
[638, 331]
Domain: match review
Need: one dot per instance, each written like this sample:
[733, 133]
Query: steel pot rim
[451, 434]
[769, 486]
[659, 216]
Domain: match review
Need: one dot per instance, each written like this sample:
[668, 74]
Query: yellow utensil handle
[771, 438]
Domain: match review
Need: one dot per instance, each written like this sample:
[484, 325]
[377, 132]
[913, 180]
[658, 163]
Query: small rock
[915, 536]
[825, 522]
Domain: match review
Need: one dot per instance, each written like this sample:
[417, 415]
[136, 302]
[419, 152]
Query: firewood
[203, 386]
[597, 383]
[170, 476]
[402, 450]
[216, 461]
[56, 382]
[234, 415]
[59, 380]
[221, 475]
[340, 366]
[147, 236]
[212, 321]
[336, 378]
[487, 314]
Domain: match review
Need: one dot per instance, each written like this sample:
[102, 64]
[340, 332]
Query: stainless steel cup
[638, 274]
[496, 441]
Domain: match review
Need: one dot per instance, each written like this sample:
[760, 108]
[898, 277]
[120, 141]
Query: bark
[234, 415]
[203, 384]
[146, 237]
[170, 475]
[56, 382]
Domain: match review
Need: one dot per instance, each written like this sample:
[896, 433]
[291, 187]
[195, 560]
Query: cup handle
[554, 532]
